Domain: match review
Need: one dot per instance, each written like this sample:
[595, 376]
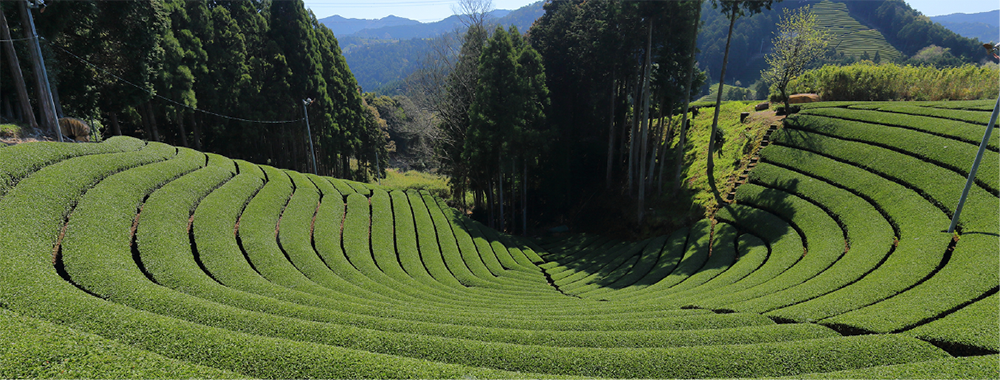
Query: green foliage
[848, 36]
[936, 56]
[10, 130]
[173, 261]
[891, 29]
[415, 180]
[741, 140]
[868, 81]
[34, 348]
[729, 93]
[798, 42]
[225, 58]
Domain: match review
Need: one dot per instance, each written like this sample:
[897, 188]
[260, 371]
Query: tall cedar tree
[253, 60]
[594, 53]
[506, 117]
[453, 110]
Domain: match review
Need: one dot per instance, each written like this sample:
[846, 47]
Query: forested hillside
[382, 58]
[221, 76]
[866, 26]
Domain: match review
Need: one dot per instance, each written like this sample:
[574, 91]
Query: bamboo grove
[205, 74]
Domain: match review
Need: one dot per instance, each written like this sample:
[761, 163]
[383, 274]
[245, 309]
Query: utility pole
[46, 105]
[975, 166]
[15, 70]
[992, 50]
[306, 102]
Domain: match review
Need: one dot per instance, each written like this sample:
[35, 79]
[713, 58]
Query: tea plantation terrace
[134, 259]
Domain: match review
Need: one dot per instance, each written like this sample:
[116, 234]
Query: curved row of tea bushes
[919, 250]
[870, 237]
[957, 130]
[787, 249]
[975, 117]
[23, 159]
[822, 237]
[270, 273]
[144, 295]
[162, 212]
[963, 277]
[34, 348]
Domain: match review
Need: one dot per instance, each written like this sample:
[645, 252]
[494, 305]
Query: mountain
[890, 27]
[346, 26]
[382, 56]
[989, 18]
[985, 25]
[426, 30]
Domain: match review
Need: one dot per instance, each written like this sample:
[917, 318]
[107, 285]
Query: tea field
[850, 37]
[128, 259]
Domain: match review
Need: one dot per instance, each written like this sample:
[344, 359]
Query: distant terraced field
[133, 259]
[850, 36]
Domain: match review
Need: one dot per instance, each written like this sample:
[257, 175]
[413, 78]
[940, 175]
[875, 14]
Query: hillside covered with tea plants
[133, 259]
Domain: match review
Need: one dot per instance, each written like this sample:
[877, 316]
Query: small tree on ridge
[797, 43]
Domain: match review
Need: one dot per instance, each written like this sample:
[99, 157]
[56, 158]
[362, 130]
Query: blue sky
[434, 10]
[420, 10]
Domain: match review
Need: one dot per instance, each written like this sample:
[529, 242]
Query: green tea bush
[868, 81]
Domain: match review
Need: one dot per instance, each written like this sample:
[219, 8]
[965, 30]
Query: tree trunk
[623, 93]
[645, 121]
[632, 150]
[15, 71]
[668, 137]
[687, 102]
[500, 189]
[715, 120]
[115, 127]
[46, 109]
[8, 111]
[524, 199]
[55, 101]
[181, 130]
[658, 141]
[490, 199]
[153, 129]
[611, 131]
[197, 131]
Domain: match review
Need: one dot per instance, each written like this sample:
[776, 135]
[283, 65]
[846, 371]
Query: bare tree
[473, 12]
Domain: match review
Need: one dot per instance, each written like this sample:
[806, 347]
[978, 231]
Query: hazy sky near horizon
[435, 10]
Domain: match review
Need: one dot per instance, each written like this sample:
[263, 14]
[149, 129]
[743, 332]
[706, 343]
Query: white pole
[45, 75]
[306, 102]
[975, 166]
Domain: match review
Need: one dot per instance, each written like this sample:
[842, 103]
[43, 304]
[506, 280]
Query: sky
[435, 10]
[420, 10]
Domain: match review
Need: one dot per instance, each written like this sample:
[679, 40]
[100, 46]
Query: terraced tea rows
[132, 259]
[850, 37]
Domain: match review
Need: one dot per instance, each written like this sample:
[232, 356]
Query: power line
[18, 39]
[170, 100]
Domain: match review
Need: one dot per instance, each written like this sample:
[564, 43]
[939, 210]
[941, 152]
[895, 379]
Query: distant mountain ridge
[398, 28]
[346, 26]
[383, 55]
[985, 25]
[990, 18]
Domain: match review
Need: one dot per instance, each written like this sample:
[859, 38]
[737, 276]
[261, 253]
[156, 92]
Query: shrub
[868, 81]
